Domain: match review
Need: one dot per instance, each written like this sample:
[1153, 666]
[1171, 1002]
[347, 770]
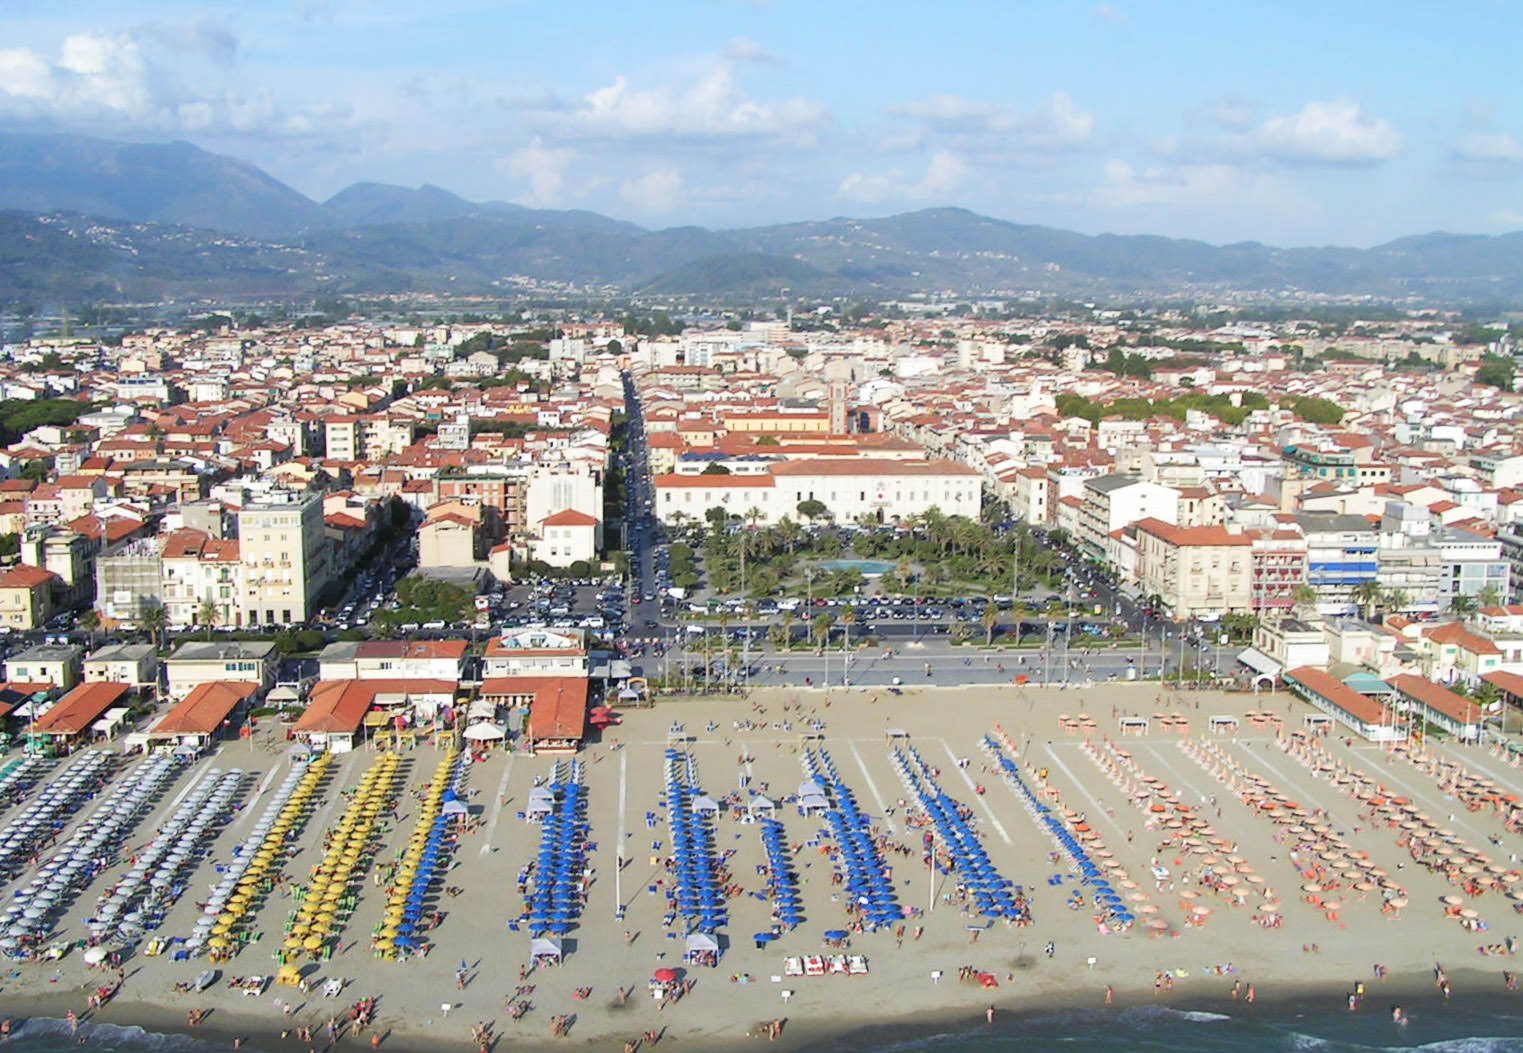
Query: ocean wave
[111, 1036]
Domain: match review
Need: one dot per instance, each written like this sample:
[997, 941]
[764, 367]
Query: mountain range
[86, 219]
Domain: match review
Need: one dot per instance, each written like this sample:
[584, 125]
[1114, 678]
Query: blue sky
[1292, 123]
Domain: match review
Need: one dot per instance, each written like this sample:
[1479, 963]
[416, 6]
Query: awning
[542, 946]
[1260, 662]
[483, 733]
[699, 941]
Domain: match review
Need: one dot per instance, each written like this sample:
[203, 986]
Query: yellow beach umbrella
[219, 942]
[313, 943]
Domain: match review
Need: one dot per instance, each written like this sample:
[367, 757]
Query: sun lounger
[814, 965]
[856, 965]
[254, 986]
[836, 964]
[793, 967]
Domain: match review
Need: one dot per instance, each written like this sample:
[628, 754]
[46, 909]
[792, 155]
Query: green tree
[819, 628]
[990, 618]
[1496, 372]
[1462, 605]
[1368, 595]
[89, 621]
[154, 617]
[208, 615]
[1303, 598]
[812, 509]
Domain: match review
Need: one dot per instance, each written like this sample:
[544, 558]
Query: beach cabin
[194, 724]
[335, 713]
[1511, 686]
[558, 714]
[702, 949]
[701, 805]
[811, 797]
[67, 725]
[544, 951]
[1434, 706]
[1361, 714]
[760, 807]
[541, 804]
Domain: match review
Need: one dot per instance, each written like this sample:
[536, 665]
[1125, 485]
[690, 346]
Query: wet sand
[623, 775]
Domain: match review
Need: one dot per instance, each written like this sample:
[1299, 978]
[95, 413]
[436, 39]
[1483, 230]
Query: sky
[1289, 123]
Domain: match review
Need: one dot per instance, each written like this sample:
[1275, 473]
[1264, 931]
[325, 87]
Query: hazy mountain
[148, 182]
[99, 219]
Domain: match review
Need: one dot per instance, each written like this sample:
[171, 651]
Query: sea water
[1441, 1029]
[1436, 1028]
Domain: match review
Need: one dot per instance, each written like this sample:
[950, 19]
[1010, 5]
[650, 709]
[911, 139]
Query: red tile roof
[81, 707]
[1439, 699]
[1361, 708]
[570, 517]
[205, 708]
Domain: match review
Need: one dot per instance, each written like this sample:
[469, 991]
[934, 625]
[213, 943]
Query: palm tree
[1490, 596]
[787, 628]
[1303, 596]
[1368, 595]
[89, 621]
[208, 615]
[1397, 600]
[819, 626]
[155, 618]
[990, 618]
[1462, 604]
[904, 571]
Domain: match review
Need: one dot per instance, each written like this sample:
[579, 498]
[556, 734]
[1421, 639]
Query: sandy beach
[1315, 951]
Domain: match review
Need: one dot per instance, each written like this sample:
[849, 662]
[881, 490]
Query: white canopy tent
[705, 806]
[484, 733]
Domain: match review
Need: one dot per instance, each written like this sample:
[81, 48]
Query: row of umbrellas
[866, 874]
[159, 872]
[259, 858]
[699, 897]
[45, 814]
[554, 900]
[19, 775]
[992, 894]
[782, 882]
[1232, 877]
[425, 858]
[1328, 863]
[1090, 872]
[96, 840]
[323, 910]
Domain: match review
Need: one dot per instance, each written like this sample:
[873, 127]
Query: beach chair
[793, 967]
[814, 965]
[856, 965]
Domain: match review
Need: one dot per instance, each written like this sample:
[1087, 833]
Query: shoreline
[1417, 994]
[758, 740]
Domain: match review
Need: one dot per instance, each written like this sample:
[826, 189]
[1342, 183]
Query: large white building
[284, 556]
[850, 489]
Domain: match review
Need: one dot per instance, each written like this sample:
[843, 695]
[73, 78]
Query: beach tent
[701, 941]
[811, 786]
[540, 946]
[482, 709]
[705, 806]
[483, 733]
[541, 802]
[760, 805]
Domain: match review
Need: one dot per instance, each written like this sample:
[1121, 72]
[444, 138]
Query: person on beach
[1110, 994]
[989, 1015]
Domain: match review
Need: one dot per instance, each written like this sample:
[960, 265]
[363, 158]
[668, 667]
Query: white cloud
[1056, 121]
[710, 108]
[545, 169]
[943, 174]
[656, 191]
[1333, 133]
[744, 49]
[1123, 186]
[124, 84]
[1502, 148]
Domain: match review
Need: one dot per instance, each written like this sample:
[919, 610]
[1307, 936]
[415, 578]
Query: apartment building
[1109, 502]
[1195, 570]
[284, 557]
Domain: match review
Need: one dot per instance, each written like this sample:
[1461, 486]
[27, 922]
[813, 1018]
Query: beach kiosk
[544, 951]
[195, 723]
[67, 725]
[335, 713]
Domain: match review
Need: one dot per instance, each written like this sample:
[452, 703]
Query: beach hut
[484, 733]
[760, 807]
[701, 948]
[705, 806]
[541, 803]
[545, 951]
